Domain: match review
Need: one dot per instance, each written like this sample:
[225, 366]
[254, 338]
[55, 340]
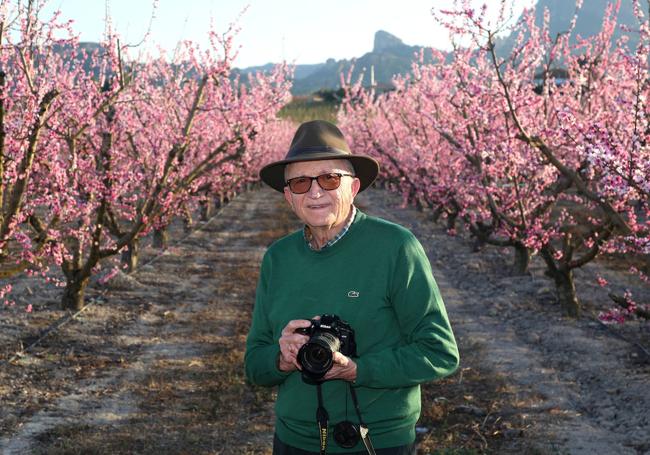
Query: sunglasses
[329, 181]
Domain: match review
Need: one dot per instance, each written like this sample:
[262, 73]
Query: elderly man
[371, 282]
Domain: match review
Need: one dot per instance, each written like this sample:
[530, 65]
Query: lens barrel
[316, 356]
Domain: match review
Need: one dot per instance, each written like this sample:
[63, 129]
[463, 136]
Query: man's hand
[343, 368]
[290, 343]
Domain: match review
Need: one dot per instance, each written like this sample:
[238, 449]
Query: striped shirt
[309, 237]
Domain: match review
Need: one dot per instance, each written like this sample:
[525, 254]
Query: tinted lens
[329, 181]
[300, 185]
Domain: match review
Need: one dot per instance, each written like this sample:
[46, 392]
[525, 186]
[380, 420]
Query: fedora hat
[315, 141]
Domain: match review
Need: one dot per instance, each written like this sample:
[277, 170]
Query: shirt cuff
[275, 359]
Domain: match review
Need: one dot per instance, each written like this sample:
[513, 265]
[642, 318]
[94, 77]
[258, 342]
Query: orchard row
[542, 148]
[96, 151]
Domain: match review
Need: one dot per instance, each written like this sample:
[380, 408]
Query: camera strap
[363, 428]
[322, 418]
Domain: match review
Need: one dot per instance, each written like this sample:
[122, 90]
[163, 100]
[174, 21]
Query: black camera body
[327, 335]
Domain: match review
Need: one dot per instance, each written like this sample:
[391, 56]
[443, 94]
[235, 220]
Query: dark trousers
[280, 448]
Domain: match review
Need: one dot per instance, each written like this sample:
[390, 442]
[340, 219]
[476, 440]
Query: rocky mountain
[388, 57]
[391, 56]
[588, 23]
[590, 15]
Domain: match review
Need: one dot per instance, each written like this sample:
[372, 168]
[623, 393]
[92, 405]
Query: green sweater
[378, 279]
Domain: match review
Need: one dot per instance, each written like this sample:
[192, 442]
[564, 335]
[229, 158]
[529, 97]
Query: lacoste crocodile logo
[353, 294]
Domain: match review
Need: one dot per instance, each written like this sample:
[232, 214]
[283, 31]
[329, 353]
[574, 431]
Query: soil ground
[154, 363]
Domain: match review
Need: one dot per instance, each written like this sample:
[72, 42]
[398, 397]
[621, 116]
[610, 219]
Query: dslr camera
[327, 335]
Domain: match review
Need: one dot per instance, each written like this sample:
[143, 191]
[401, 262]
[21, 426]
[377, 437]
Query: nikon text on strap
[322, 419]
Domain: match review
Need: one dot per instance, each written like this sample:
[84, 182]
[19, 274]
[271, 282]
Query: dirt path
[579, 388]
[173, 381]
[155, 366]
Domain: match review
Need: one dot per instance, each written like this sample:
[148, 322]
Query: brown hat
[315, 141]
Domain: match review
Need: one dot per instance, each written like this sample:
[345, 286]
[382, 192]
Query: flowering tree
[29, 97]
[95, 152]
[208, 125]
[461, 164]
[542, 149]
[174, 127]
[602, 212]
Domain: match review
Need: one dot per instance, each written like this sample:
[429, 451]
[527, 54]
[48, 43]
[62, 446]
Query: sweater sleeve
[428, 350]
[262, 349]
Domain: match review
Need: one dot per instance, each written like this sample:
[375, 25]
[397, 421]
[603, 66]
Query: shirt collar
[309, 237]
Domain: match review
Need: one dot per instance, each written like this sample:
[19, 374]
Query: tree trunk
[206, 209]
[564, 284]
[160, 238]
[566, 291]
[419, 206]
[481, 233]
[188, 223]
[451, 220]
[435, 215]
[73, 294]
[130, 255]
[522, 260]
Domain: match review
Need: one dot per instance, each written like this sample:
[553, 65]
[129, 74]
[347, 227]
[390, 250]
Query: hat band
[314, 150]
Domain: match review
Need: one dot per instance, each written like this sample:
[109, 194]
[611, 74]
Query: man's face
[319, 208]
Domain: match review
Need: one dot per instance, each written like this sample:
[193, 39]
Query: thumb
[340, 359]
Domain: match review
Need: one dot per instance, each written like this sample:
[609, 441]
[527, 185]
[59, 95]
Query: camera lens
[316, 355]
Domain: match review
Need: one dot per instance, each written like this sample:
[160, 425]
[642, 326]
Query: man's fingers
[290, 350]
[298, 323]
[343, 368]
[295, 341]
[340, 359]
[295, 324]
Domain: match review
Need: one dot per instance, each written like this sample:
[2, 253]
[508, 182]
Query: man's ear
[356, 185]
[287, 196]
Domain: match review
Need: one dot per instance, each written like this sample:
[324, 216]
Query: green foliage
[322, 105]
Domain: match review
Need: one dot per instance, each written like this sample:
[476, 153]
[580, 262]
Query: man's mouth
[317, 206]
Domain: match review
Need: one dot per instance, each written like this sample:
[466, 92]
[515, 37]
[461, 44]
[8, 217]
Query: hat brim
[365, 168]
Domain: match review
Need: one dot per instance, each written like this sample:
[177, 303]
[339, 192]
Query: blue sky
[298, 31]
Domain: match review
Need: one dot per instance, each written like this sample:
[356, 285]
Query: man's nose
[315, 189]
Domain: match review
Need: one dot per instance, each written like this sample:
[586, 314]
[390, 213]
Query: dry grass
[473, 412]
[196, 403]
[169, 362]
[194, 398]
